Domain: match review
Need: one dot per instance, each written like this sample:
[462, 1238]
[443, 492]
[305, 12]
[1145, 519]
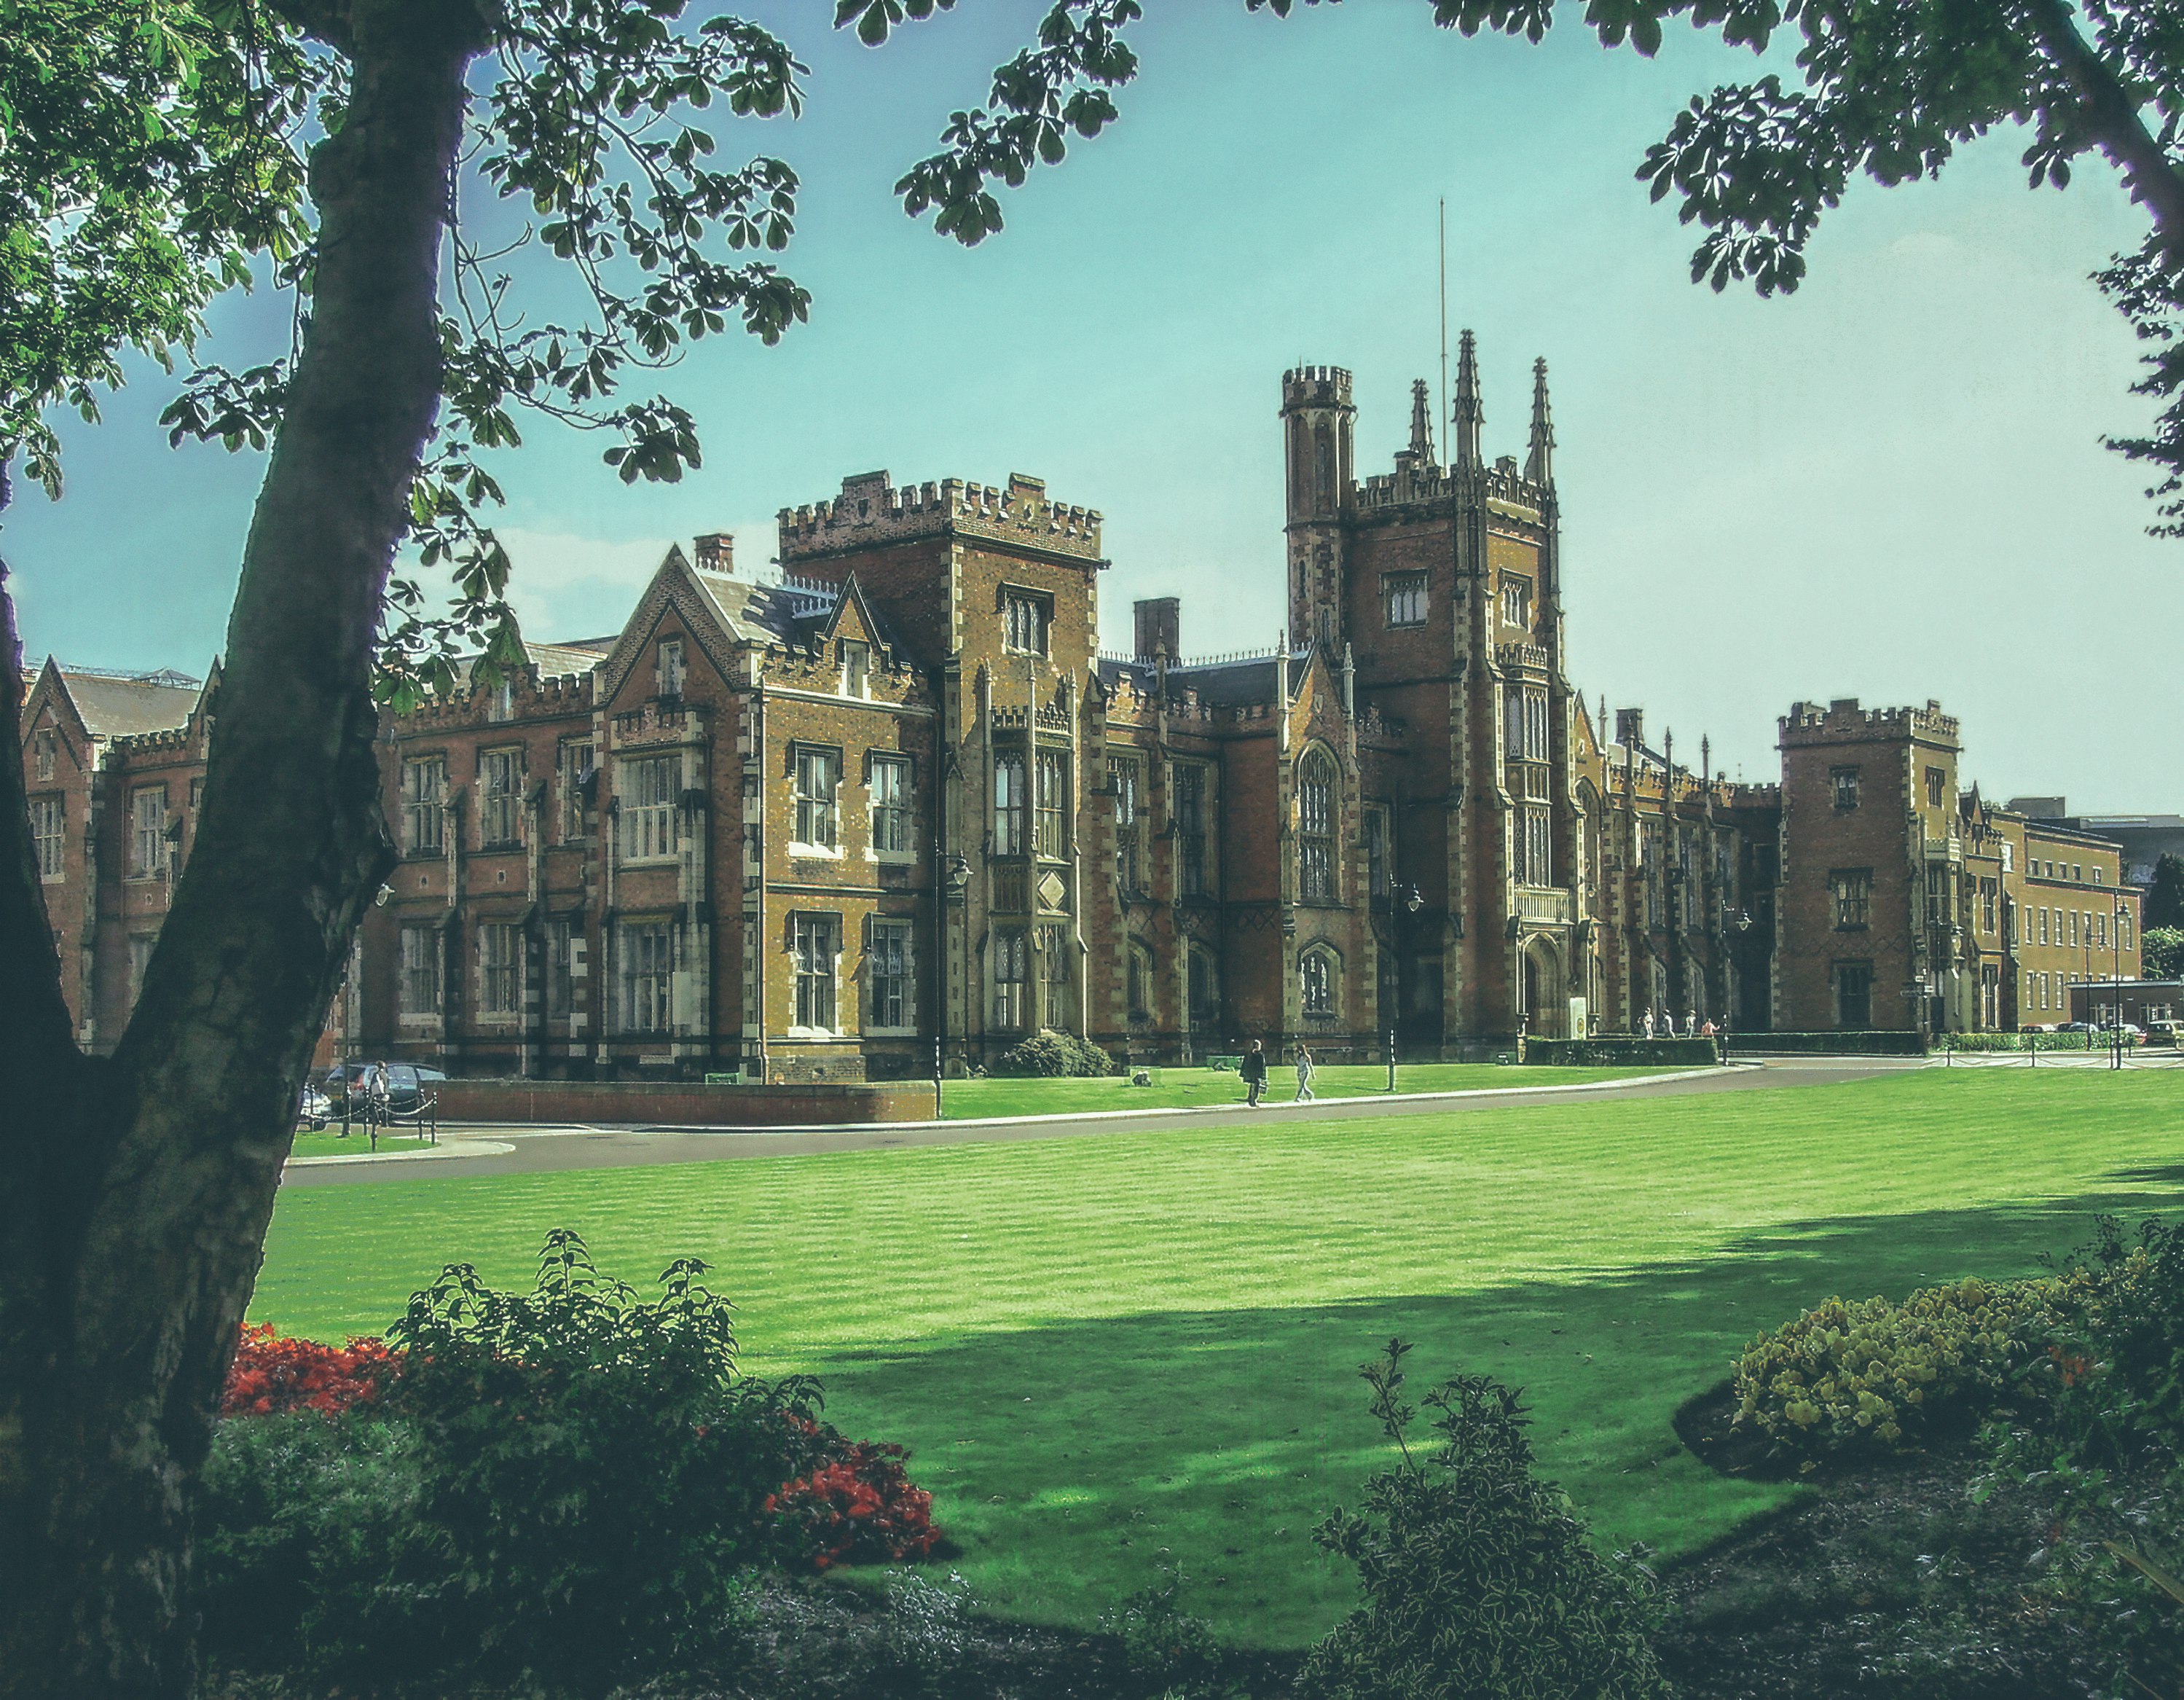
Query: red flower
[860, 1507]
[272, 1375]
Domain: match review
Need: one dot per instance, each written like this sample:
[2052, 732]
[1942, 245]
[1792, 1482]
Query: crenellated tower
[1318, 423]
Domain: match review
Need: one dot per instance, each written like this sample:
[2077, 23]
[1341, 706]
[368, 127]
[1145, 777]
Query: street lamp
[1405, 901]
[955, 881]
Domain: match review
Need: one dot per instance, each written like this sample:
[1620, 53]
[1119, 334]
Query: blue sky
[1890, 485]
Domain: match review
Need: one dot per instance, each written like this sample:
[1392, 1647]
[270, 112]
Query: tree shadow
[1068, 1460]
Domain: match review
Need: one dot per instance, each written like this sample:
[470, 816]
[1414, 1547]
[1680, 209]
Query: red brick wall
[537, 1102]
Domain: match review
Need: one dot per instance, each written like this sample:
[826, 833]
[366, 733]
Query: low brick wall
[677, 1104]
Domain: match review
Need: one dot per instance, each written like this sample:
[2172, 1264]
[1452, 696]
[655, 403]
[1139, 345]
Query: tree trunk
[134, 1191]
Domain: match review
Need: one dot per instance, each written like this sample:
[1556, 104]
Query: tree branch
[2115, 121]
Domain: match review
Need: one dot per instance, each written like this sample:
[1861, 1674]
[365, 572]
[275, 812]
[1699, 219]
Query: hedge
[1599, 1053]
[1881, 1042]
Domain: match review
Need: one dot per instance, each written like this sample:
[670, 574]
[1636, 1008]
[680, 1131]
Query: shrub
[272, 1375]
[2114, 1376]
[1050, 1053]
[566, 1481]
[1880, 1376]
[1162, 1644]
[857, 1505]
[1616, 1050]
[1477, 1578]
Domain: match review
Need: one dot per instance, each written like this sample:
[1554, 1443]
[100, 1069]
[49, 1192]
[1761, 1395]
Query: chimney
[1630, 727]
[1158, 622]
[716, 553]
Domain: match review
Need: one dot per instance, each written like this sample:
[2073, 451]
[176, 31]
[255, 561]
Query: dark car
[345, 1086]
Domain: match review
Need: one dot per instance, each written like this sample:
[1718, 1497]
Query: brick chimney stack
[1159, 623]
[716, 553]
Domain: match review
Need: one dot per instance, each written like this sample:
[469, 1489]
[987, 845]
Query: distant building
[2144, 839]
[815, 826]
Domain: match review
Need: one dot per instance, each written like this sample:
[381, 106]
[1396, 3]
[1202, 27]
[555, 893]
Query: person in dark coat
[1254, 1072]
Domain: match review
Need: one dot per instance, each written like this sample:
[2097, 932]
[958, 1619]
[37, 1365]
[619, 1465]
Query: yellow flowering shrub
[1878, 1376]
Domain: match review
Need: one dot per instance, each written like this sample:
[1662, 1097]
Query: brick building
[810, 826]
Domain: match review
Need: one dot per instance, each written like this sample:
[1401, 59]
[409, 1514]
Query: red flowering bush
[855, 1505]
[273, 1375]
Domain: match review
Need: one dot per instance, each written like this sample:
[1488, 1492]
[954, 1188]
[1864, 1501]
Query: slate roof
[122, 706]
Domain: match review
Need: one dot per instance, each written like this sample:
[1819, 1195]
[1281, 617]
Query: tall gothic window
[1317, 970]
[817, 945]
[1315, 829]
[887, 977]
[647, 791]
[1051, 823]
[1122, 774]
[890, 788]
[1008, 804]
[1011, 981]
[424, 800]
[1535, 848]
[49, 831]
[817, 773]
[500, 784]
[1189, 780]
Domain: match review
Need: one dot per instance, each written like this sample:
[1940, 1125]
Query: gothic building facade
[893, 803]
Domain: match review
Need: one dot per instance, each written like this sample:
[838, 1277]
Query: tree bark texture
[136, 1190]
[2115, 119]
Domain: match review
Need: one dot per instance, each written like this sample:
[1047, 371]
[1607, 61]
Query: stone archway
[1545, 1003]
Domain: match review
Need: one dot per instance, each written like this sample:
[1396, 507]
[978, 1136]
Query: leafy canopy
[1888, 90]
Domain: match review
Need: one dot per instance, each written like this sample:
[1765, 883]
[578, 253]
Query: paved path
[541, 1150]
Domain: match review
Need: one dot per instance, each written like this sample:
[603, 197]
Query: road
[538, 1150]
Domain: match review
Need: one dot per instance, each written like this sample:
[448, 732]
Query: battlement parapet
[1316, 387]
[167, 741]
[1844, 721]
[1531, 656]
[1416, 481]
[657, 723]
[871, 512]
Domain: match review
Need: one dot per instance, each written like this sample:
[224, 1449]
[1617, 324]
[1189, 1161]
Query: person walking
[1647, 1024]
[1305, 1068]
[1254, 1071]
[1690, 1024]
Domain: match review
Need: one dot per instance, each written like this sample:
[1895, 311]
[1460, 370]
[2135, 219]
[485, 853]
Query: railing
[1545, 903]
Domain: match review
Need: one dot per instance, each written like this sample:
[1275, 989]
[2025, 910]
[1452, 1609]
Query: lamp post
[2115, 938]
[1734, 924]
[955, 881]
[1404, 900]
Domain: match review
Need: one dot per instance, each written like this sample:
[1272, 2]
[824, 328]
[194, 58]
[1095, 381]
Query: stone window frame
[808, 810]
[894, 813]
[1319, 818]
[1126, 782]
[49, 836]
[1844, 784]
[671, 670]
[1841, 972]
[1850, 899]
[423, 805]
[644, 979]
[500, 807]
[1140, 966]
[902, 931]
[500, 964]
[1052, 818]
[1936, 779]
[855, 658]
[45, 749]
[648, 829]
[558, 951]
[1011, 803]
[1200, 968]
[1319, 982]
[814, 959]
[1405, 600]
[573, 775]
[147, 835]
[1517, 601]
[1195, 875]
[1026, 617]
[425, 960]
[1010, 969]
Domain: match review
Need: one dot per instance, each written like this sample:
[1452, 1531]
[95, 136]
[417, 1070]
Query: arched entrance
[1545, 1001]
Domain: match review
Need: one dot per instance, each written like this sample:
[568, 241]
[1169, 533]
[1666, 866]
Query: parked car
[2132, 1033]
[344, 1086]
[2161, 1031]
[2077, 1027]
[314, 1110]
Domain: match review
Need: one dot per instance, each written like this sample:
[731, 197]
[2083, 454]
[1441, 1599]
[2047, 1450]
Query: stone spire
[1422, 444]
[1539, 464]
[1469, 414]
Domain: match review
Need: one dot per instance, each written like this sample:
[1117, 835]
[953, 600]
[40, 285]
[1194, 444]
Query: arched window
[1202, 997]
[1315, 829]
[1141, 982]
[1321, 973]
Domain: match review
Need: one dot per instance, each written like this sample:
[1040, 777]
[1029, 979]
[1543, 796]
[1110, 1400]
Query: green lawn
[1190, 1087]
[1100, 1349]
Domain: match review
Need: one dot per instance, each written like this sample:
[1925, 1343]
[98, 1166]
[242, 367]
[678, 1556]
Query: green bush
[1880, 1042]
[1477, 1579]
[1051, 1055]
[1876, 1376]
[566, 1481]
[2022, 1041]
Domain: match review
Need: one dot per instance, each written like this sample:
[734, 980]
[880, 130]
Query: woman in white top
[1305, 1068]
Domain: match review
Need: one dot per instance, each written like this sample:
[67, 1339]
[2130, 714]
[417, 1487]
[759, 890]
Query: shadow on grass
[1069, 1461]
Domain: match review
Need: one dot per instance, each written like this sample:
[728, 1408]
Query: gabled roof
[121, 705]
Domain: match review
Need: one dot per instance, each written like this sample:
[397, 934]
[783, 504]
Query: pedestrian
[1690, 1024]
[1646, 1025]
[1305, 1068]
[1254, 1071]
